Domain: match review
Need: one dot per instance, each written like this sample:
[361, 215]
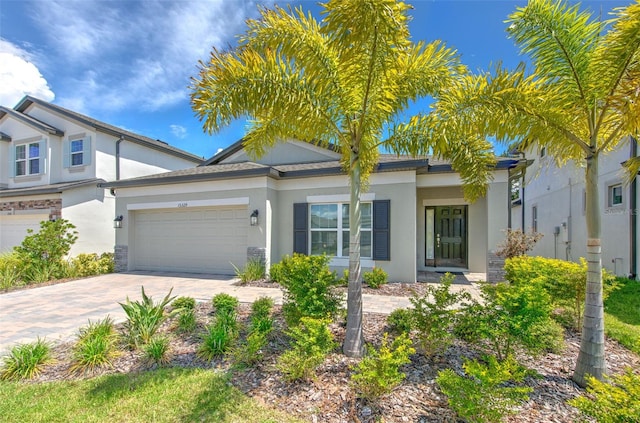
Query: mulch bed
[329, 398]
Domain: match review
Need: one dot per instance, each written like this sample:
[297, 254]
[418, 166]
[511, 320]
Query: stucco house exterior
[51, 161]
[553, 203]
[295, 199]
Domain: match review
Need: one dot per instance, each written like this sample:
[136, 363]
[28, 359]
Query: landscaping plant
[613, 401]
[434, 316]
[254, 270]
[508, 317]
[25, 361]
[91, 264]
[157, 350]
[486, 392]
[309, 288]
[375, 278]
[10, 270]
[400, 321]
[186, 320]
[518, 243]
[144, 318]
[217, 340]
[311, 342]
[96, 346]
[184, 303]
[379, 371]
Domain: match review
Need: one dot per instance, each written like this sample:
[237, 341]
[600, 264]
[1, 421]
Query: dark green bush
[309, 288]
[184, 303]
[41, 253]
[311, 342]
[565, 282]
[483, 395]
[379, 372]
[375, 278]
[219, 337]
[434, 315]
[225, 304]
[617, 401]
[157, 351]
[186, 321]
[400, 321]
[511, 316]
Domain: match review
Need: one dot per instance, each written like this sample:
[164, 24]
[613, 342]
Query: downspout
[118, 157]
[633, 215]
[509, 201]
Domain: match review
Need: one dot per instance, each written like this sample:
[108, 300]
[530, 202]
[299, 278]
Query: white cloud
[114, 56]
[178, 131]
[19, 76]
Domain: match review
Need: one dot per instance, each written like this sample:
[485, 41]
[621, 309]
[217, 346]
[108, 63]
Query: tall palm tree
[581, 101]
[344, 80]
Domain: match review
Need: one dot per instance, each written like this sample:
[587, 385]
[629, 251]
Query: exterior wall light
[253, 219]
[117, 222]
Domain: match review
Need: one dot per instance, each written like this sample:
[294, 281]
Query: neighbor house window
[543, 151]
[534, 218]
[615, 195]
[28, 159]
[77, 152]
[329, 229]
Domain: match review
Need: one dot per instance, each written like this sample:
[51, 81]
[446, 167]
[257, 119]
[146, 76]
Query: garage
[196, 240]
[13, 228]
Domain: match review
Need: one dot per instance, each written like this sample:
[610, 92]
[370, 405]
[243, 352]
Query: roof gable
[283, 153]
[30, 121]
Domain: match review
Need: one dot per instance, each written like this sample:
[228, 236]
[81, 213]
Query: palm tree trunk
[591, 359]
[353, 342]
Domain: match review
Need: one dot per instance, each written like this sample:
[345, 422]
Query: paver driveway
[55, 312]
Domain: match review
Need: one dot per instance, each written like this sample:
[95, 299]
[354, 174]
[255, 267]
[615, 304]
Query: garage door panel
[14, 228]
[194, 240]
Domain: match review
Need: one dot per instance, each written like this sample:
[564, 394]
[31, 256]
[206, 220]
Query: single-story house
[295, 199]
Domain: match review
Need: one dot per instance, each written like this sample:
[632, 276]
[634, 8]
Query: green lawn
[165, 395]
[622, 315]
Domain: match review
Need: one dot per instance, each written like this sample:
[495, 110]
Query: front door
[446, 236]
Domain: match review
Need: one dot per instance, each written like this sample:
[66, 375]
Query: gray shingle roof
[31, 121]
[48, 189]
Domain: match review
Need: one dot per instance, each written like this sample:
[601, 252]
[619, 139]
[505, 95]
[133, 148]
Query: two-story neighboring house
[553, 203]
[51, 161]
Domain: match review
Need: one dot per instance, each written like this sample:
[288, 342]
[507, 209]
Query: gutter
[633, 215]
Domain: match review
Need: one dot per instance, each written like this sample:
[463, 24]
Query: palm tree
[344, 80]
[582, 100]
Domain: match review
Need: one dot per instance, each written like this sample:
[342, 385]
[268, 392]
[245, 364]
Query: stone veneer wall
[54, 206]
[495, 268]
[121, 258]
[257, 253]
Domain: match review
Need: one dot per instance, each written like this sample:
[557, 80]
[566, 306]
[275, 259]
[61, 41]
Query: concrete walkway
[56, 312]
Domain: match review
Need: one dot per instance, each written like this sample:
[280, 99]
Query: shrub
[308, 288]
[25, 361]
[261, 320]
[618, 401]
[375, 278]
[250, 351]
[400, 321]
[312, 341]
[254, 270]
[564, 281]
[482, 395]
[41, 253]
[184, 303]
[379, 372]
[157, 350]
[11, 269]
[433, 316]
[91, 264]
[144, 318]
[518, 243]
[275, 272]
[217, 340]
[511, 316]
[96, 346]
[225, 304]
[186, 322]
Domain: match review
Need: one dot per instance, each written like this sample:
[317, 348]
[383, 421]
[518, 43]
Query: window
[28, 159]
[329, 229]
[77, 152]
[534, 218]
[543, 151]
[615, 195]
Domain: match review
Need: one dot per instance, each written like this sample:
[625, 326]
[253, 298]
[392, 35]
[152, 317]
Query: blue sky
[128, 63]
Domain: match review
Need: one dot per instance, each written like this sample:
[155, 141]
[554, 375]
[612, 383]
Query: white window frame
[611, 197]
[28, 159]
[340, 230]
[76, 153]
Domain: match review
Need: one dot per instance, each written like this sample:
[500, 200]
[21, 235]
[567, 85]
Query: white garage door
[13, 228]
[198, 240]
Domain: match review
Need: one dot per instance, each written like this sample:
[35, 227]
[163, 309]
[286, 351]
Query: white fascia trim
[31, 212]
[238, 201]
[339, 198]
[445, 202]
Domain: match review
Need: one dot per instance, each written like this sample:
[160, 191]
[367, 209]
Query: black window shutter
[381, 230]
[301, 228]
